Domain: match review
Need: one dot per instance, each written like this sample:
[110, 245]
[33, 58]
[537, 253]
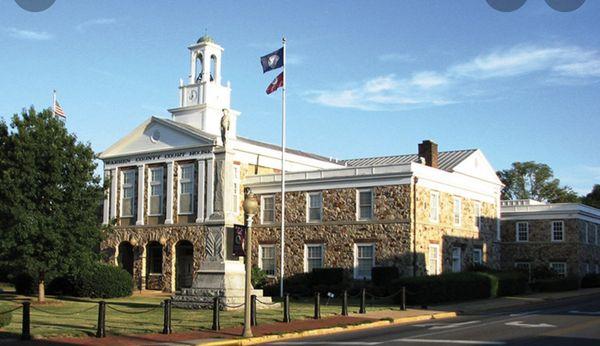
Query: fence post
[345, 304]
[286, 309]
[317, 306]
[166, 317]
[26, 324]
[403, 306]
[253, 310]
[215, 324]
[101, 332]
[363, 297]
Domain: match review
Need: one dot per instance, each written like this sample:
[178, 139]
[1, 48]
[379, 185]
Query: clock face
[193, 94]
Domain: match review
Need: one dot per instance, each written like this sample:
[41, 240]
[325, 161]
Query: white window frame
[185, 181]
[235, 193]
[133, 187]
[306, 246]
[434, 208]
[562, 223]
[356, 246]
[262, 209]
[261, 248]
[438, 261]
[478, 215]
[308, 198]
[517, 232]
[562, 275]
[480, 252]
[457, 202]
[162, 190]
[457, 249]
[358, 205]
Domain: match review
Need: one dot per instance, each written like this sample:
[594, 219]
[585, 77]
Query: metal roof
[447, 160]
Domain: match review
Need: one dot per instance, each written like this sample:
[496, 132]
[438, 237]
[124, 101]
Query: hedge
[590, 280]
[24, 284]
[510, 283]
[306, 284]
[100, 281]
[382, 276]
[6, 317]
[425, 290]
[556, 285]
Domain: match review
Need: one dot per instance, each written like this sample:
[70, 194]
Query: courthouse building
[176, 190]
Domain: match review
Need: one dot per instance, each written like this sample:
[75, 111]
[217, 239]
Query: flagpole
[54, 103]
[282, 245]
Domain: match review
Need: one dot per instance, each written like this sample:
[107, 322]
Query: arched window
[199, 68]
[154, 258]
[213, 68]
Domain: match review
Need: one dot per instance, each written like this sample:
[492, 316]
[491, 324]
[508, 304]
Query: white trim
[162, 188]
[122, 194]
[200, 180]
[517, 231]
[562, 223]
[308, 198]
[192, 181]
[358, 205]
[434, 218]
[305, 257]
[260, 257]
[169, 204]
[356, 245]
[106, 202]
[480, 252]
[262, 209]
[210, 191]
[438, 268]
[457, 201]
[113, 193]
[477, 214]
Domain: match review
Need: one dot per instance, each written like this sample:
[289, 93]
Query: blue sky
[365, 78]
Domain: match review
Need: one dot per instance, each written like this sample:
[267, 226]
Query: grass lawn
[70, 316]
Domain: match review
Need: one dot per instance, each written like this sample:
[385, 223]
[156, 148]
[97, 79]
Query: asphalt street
[574, 321]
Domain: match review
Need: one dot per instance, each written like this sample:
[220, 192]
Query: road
[574, 321]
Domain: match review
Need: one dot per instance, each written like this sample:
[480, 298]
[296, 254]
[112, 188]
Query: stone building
[176, 187]
[564, 237]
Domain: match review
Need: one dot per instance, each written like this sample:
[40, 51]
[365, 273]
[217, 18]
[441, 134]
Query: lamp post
[250, 208]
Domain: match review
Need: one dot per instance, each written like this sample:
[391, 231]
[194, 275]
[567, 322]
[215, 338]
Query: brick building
[176, 187]
[562, 236]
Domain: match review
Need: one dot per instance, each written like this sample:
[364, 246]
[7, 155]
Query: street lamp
[250, 209]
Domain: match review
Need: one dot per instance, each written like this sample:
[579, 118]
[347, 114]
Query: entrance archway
[184, 264]
[125, 258]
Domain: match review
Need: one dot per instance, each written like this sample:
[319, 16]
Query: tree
[532, 180]
[49, 195]
[593, 198]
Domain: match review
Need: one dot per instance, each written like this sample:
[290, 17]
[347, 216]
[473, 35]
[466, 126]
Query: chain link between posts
[132, 312]
[35, 308]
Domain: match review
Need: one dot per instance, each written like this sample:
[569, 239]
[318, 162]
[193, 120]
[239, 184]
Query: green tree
[593, 198]
[532, 180]
[49, 195]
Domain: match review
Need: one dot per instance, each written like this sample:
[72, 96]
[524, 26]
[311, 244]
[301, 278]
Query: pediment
[157, 134]
[477, 165]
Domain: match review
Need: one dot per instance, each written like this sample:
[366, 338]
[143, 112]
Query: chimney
[429, 151]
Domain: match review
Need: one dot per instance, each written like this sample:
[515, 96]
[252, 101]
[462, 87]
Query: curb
[328, 331]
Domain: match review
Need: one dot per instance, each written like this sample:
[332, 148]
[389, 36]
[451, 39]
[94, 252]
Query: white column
[210, 184]
[140, 196]
[113, 193]
[200, 179]
[192, 67]
[170, 177]
[106, 206]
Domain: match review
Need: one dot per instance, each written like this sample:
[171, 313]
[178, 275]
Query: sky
[364, 78]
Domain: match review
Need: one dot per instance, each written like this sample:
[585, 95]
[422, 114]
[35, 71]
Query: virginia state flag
[272, 61]
[275, 84]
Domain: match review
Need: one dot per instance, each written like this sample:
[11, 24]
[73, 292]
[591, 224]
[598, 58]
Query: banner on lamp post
[239, 237]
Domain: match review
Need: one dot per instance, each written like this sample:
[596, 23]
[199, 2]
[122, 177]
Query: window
[558, 231]
[478, 215]
[434, 208]
[433, 262]
[524, 267]
[365, 204]
[522, 232]
[364, 261]
[186, 189]
[268, 209]
[560, 268]
[156, 191]
[235, 196]
[315, 206]
[477, 256]
[457, 211]
[456, 259]
[586, 234]
[266, 254]
[154, 258]
[128, 193]
[586, 268]
[313, 255]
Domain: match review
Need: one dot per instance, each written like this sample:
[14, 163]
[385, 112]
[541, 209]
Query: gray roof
[447, 160]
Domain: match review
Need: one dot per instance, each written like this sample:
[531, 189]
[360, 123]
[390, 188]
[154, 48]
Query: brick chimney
[429, 151]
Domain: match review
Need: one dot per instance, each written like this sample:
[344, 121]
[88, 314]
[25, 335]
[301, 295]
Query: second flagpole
[282, 244]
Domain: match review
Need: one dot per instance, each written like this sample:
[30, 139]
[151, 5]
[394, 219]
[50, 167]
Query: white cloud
[29, 34]
[472, 80]
[93, 22]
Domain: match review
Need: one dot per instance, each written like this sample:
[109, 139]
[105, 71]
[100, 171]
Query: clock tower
[203, 98]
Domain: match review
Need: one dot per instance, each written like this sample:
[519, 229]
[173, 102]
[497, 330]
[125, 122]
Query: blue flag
[272, 61]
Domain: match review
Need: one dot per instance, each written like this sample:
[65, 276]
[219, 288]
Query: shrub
[62, 286]
[543, 272]
[511, 283]
[24, 284]
[259, 277]
[103, 281]
[6, 317]
[590, 280]
[382, 276]
[327, 276]
[425, 290]
[556, 285]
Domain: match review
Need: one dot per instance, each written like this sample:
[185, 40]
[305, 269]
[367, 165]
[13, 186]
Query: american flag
[58, 109]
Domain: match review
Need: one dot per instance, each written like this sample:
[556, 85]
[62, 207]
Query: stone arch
[199, 61]
[154, 265]
[213, 68]
[184, 264]
[125, 256]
